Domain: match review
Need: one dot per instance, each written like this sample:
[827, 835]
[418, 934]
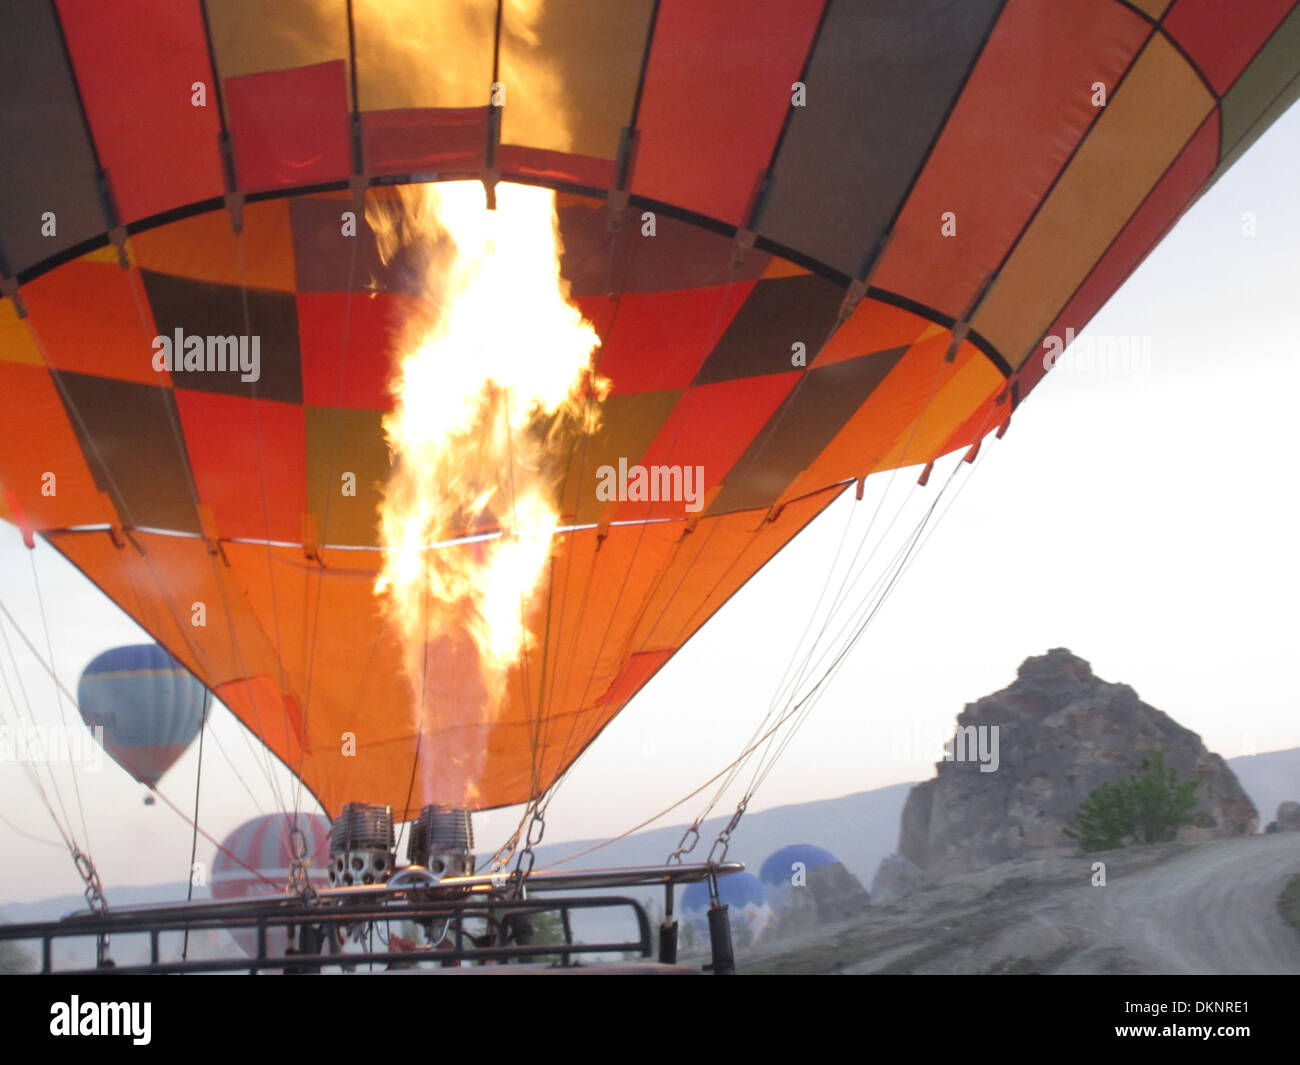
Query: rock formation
[1061, 732]
[829, 893]
[1288, 818]
[895, 878]
[836, 892]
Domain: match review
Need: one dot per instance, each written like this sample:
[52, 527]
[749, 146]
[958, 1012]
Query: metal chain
[501, 859]
[693, 834]
[94, 899]
[536, 831]
[724, 837]
[94, 889]
[538, 822]
[299, 882]
[499, 867]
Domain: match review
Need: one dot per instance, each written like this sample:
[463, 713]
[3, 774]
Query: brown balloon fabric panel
[199, 309]
[1266, 88]
[833, 191]
[51, 200]
[778, 314]
[815, 411]
[129, 434]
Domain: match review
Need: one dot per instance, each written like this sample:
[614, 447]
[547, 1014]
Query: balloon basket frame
[482, 924]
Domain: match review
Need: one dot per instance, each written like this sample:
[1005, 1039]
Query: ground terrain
[1185, 908]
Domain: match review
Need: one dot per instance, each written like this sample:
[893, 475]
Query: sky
[1140, 513]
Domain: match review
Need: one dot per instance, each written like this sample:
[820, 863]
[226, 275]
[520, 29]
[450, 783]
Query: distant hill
[125, 949]
[1269, 779]
[52, 909]
[859, 829]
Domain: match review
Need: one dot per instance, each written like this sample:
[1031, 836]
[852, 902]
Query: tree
[1149, 806]
[548, 928]
[13, 959]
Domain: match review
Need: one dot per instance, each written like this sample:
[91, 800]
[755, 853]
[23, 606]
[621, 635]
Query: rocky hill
[1026, 756]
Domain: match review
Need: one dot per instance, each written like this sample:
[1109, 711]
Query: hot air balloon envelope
[817, 238]
[149, 705]
[255, 859]
[744, 895]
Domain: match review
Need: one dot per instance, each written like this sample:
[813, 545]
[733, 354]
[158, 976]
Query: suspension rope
[156, 791]
[221, 847]
[668, 809]
[332, 468]
[28, 768]
[901, 562]
[85, 865]
[885, 579]
[794, 710]
[230, 762]
[537, 804]
[788, 684]
[27, 835]
[194, 835]
[841, 595]
[74, 413]
[68, 833]
[266, 507]
[903, 559]
[768, 759]
[730, 778]
[58, 698]
[143, 319]
[711, 335]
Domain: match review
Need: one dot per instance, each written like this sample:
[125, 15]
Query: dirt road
[1193, 908]
[1211, 910]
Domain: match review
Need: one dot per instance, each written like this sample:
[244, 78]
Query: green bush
[13, 959]
[1150, 806]
[1288, 903]
[548, 928]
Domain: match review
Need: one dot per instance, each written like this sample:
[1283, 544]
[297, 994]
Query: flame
[485, 386]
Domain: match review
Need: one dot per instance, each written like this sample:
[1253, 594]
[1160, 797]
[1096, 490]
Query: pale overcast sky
[1148, 520]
